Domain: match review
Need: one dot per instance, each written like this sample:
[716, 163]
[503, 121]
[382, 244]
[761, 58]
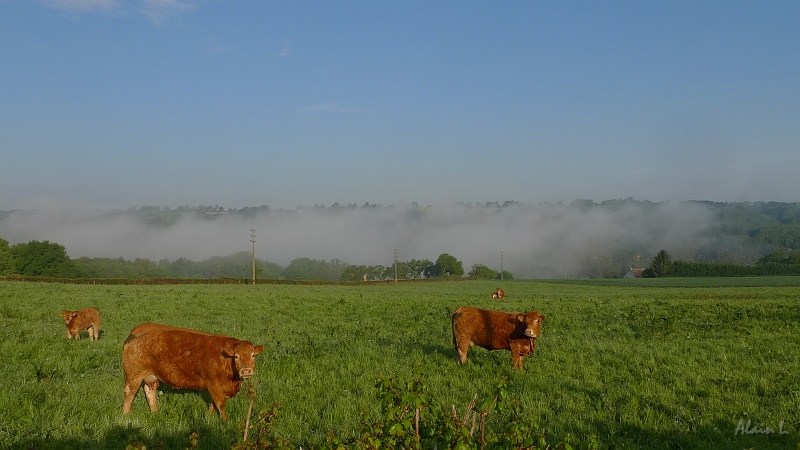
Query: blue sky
[111, 103]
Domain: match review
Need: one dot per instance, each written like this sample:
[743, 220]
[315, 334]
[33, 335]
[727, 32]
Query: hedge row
[710, 269]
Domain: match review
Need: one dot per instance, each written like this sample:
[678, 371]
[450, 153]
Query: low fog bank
[536, 241]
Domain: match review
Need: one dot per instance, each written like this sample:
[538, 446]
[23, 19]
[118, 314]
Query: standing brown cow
[496, 330]
[185, 359]
[498, 293]
[82, 319]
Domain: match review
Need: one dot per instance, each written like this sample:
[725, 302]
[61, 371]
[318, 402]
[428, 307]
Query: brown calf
[496, 330]
[82, 319]
[498, 293]
[185, 359]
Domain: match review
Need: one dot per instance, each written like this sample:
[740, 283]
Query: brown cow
[498, 293]
[83, 319]
[496, 330]
[185, 359]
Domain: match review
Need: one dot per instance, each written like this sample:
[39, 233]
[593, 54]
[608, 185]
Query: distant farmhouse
[634, 273]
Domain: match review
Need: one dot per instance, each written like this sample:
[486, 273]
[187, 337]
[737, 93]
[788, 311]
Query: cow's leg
[463, 348]
[516, 354]
[131, 388]
[151, 391]
[218, 400]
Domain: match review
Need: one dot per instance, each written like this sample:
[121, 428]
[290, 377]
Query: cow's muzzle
[245, 373]
[530, 333]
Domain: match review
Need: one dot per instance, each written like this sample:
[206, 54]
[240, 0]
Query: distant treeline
[37, 260]
[744, 232]
[706, 269]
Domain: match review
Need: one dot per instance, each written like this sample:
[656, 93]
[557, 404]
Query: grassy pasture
[639, 364]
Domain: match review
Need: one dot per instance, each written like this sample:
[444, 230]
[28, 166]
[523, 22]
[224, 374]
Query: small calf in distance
[498, 293]
[496, 330]
[82, 319]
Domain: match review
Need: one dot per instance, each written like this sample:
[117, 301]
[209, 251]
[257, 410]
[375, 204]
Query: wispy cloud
[83, 5]
[216, 46]
[286, 49]
[328, 107]
[159, 10]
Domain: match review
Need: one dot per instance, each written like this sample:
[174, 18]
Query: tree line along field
[630, 363]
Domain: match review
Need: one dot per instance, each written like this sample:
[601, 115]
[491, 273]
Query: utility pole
[501, 266]
[253, 240]
[395, 267]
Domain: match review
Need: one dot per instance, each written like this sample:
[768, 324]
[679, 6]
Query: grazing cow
[498, 293]
[83, 319]
[496, 330]
[185, 359]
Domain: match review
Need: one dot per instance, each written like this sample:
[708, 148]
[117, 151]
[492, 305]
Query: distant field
[679, 363]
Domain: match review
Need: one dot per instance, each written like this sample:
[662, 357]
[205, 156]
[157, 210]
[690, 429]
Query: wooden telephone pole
[253, 240]
[395, 267]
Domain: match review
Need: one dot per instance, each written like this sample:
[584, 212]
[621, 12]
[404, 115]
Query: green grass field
[638, 364]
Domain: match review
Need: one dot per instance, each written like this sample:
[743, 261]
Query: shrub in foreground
[411, 419]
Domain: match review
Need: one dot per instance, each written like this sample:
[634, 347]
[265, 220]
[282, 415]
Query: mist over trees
[348, 241]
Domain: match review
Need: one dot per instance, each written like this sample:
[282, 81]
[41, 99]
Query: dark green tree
[446, 266]
[354, 273]
[483, 272]
[314, 269]
[662, 265]
[7, 266]
[43, 259]
[417, 267]
[780, 257]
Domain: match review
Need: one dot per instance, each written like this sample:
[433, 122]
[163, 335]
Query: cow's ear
[521, 317]
[541, 318]
[228, 352]
[258, 349]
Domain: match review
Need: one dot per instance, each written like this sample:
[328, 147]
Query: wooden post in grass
[416, 423]
[251, 392]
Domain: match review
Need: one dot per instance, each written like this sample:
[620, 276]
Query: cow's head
[533, 323]
[68, 316]
[243, 354]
